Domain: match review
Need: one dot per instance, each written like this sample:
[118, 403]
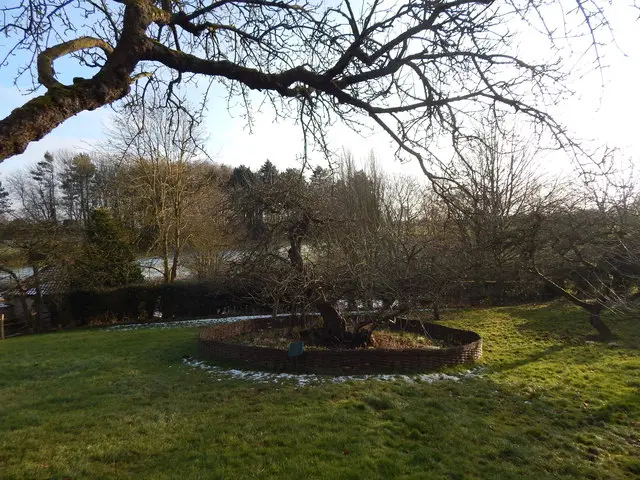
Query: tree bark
[597, 323]
[174, 265]
[42, 114]
[166, 269]
[177, 247]
[334, 326]
[436, 311]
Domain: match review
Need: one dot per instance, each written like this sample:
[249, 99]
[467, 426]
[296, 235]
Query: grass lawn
[92, 404]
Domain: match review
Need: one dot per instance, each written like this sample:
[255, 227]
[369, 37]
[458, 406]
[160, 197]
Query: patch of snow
[202, 322]
[305, 379]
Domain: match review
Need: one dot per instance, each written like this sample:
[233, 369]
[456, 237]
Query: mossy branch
[46, 73]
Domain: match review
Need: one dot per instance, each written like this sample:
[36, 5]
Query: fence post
[2, 325]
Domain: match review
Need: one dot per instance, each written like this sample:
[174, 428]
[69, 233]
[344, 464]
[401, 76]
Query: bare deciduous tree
[586, 247]
[496, 186]
[213, 239]
[164, 177]
[36, 190]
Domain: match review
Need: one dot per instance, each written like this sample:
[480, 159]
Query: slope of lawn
[92, 404]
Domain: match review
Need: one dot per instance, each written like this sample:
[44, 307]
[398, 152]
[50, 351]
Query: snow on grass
[202, 322]
[270, 377]
[305, 379]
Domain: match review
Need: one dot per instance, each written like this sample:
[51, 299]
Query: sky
[230, 140]
[606, 113]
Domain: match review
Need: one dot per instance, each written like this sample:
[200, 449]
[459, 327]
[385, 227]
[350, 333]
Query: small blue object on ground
[296, 349]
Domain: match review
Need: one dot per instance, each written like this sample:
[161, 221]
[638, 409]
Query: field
[98, 404]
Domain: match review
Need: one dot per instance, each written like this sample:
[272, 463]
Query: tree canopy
[417, 69]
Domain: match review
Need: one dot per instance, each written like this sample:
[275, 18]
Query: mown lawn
[121, 404]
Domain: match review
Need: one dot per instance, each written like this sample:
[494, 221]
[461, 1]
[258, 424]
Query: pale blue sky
[608, 115]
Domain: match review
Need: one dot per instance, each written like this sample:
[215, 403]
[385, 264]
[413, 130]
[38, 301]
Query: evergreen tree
[44, 176]
[78, 184]
[268, 172]
[5, 203]
[109, 259]
[241, 178]
[243, 186]
[320, 175]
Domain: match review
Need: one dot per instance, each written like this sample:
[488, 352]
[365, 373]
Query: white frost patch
[202, 322]
[304, 379]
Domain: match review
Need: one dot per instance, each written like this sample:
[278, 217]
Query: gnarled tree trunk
[436, 311]
[596, 322]
[334, 327]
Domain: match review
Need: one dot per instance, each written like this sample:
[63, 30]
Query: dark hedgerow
[141, 302]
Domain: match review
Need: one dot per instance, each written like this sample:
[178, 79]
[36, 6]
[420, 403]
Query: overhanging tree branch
[46, 74]
[420, 66]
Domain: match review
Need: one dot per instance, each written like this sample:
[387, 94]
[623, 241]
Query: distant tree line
[339, 236]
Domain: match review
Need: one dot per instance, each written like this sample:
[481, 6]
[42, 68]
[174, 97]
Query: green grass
[93, 404]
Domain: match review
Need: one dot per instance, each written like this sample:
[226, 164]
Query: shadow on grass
[478, 429]
[522, 361]
[139, 412]
[556, 320]
[561, 321]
